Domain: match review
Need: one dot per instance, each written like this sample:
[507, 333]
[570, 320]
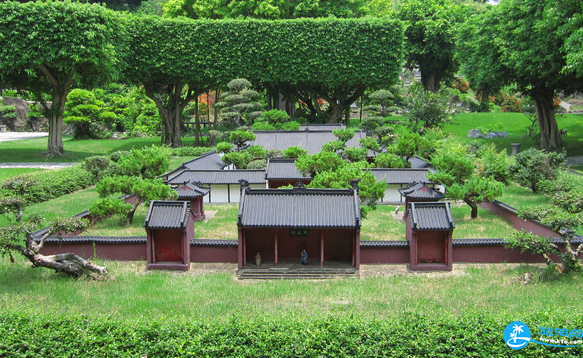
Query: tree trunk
[217, 94]
[170, 105]
[550, 138]
[336, 112]
[59, 92]
[430, 81]
[196, 122]
[474, 206]
[70, 264]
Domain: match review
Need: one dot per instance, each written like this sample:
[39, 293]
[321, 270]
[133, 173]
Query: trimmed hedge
[328, 53]
[55, 183]
[402, 335]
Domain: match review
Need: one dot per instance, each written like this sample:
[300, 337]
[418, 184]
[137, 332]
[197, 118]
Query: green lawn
[64, 206]
[209, 293]
[34, 150]
[379, 224]
[516, 124]
[6, 173]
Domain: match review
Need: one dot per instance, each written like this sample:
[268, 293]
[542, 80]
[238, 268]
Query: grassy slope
[516, 124]
[10, 172]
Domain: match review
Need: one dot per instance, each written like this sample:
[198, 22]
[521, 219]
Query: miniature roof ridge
[298, 190]
[173, 219]
[431, 216]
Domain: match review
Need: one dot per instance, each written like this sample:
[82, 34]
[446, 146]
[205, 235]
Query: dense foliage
[49, 47]
[532, 167]
[402, 335]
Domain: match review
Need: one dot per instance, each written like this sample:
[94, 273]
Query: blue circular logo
[516, 335]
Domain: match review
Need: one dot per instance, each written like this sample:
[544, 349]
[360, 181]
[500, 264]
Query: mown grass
[64, 206]
[516, 124]
[6, 173]
[519, 197]
[380, 224]
[34, 150]
[209, 293]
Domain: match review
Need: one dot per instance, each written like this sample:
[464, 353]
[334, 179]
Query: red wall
[384, 255]
[227, 254]
[510, 215]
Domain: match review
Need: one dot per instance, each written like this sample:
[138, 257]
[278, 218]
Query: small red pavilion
[194, 192]
[170, 227]
[429, 231]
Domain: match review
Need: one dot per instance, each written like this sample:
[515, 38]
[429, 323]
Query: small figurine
[304, 257]
[258, 259]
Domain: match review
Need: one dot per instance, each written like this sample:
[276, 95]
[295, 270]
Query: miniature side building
[429, 231]
[282, 172]
[280, 224]
[170, 227]
[194, 192]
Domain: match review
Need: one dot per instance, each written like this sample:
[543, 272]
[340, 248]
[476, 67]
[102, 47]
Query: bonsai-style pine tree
[239, 104]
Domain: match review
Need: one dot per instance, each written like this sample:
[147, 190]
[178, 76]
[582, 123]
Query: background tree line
[49, 48]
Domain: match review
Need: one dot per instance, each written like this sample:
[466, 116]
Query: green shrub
[294, 152]
[56, 183]
[257, 152]
[532, 167]
[263, 126]
[224, 147]
[190, 151]
[239, 159]
[97, 164]
[403, 334]
[110, 206]
[389, 160]
[257, 164]
[148, 162]
[289, 126]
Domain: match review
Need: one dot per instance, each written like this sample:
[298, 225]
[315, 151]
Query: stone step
[309, 274]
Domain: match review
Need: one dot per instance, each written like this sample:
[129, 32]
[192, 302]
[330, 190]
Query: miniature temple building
[429, 231]
[280, 224]
[419, 192]
[194, 192]
[282, 172]
[170, 227]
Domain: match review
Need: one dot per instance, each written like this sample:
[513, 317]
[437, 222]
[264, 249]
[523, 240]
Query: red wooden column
[275, 247]
[322, 248]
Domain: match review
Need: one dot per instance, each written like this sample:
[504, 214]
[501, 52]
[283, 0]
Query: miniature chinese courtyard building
[280, 224]
[282, 172]
[419, 192]
[429, 231]
[194, 192]
[170, 227]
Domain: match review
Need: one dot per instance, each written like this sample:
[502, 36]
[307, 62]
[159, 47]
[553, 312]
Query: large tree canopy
[525, 45]
[430, 29]
[49, 47]
[176, 58]
[262, 9]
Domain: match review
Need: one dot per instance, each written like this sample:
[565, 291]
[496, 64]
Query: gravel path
[8, 136]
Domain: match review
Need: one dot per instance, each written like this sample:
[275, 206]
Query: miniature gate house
[194, 192]
[419, 192]
[170, 227]
[280, 224]
[429, 231]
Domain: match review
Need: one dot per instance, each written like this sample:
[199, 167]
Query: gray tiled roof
[311, 141]
[418, 163]
[167, 215]
[208, 161]
[253, 176]
[321, 127]
[431, 216]
[420, 191]
[299, 208]
[400, 176]
[192, 190]
[282, 168]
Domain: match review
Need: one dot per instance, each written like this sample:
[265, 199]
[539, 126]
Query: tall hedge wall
[317, 52]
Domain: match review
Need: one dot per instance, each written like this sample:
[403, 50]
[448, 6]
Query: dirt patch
[209, 214]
